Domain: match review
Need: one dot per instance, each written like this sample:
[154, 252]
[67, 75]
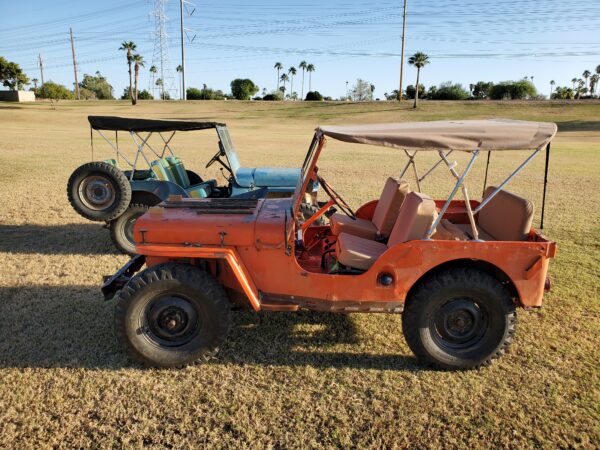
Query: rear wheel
[172, 315]
[99, 191]
[461, 318]
[121, 229]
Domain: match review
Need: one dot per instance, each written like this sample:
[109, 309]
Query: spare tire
[99, 191]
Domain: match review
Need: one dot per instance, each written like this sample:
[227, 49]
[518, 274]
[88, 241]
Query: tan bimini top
[463, 135]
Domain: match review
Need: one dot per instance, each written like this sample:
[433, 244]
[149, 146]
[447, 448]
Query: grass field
[286, 380]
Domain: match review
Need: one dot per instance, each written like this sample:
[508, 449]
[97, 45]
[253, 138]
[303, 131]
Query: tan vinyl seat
[507, 217]
[384, 216]
[416, 216]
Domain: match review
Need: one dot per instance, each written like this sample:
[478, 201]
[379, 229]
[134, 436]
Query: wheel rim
[97, 192]
[459, 324]
[172, 321]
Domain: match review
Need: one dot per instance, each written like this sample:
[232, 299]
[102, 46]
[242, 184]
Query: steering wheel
[339, 201]
[214, 159]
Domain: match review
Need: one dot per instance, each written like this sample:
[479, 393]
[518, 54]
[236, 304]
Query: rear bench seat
[507, 217]
[384, 216]
[416, 216]
[172, 169]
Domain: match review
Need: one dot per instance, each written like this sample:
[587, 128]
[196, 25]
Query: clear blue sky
[467, 40]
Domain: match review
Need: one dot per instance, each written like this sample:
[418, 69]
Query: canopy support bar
[434, 166]
[139, 152]
[116, 149]
[459, 182]
[487, 165]
[545, 184]
[411, 162]
[510, 177]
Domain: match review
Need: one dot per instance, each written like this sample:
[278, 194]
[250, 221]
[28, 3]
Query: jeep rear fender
[160, 189]
[229, 254]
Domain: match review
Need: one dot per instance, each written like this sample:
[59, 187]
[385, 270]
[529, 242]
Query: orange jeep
[456, 269]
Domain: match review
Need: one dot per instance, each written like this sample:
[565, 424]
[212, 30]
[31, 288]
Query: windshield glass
[230, 152]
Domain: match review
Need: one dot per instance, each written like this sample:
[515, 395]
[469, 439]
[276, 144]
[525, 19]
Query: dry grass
[285, 380]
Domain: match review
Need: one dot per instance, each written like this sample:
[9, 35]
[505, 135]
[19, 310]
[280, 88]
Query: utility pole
[182, 53]
[402, 60]
[41, 63]
[74, 65]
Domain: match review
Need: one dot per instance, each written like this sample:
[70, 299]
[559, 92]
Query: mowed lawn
[286, 380]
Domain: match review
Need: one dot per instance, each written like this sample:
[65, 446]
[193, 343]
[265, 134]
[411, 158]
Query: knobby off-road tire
[99, 191]
[172, 315]
[121, 229]
[460, 318]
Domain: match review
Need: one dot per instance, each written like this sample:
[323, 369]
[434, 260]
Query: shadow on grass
[84, 239]
[579, 125]
[71, 326]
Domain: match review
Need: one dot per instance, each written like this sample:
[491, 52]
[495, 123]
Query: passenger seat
[384, 215]
[416, 216]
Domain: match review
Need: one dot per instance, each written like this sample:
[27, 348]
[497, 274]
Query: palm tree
[179, 70]
[292, 72]
[310, 68]
[574, 80]
[419, 60]
[278, 66]
[552, 83]
[139, 62]
[303, 67]
[586, 74]
[471, 87]
[593, 83]
[372, 87]
[130, 48]
[153, 71]
[160, 84]
[285, 79]
[35, 82]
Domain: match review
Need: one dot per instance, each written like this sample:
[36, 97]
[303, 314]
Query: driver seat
[416, 216]
[384, 216]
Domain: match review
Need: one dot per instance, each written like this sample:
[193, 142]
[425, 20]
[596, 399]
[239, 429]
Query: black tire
[172, 315]
[121, 229]
[99, 191]
[461, 318]
[307, 210]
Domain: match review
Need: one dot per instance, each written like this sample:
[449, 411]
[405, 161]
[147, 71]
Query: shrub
[513, 90]
[314, 96]
[449, 91]
[410, 91]
[243, 89]
[54, 91]
[203, 94]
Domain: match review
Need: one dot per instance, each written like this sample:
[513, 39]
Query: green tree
[303, 67]
[594, 83]
[314, 96]
[513, 90]
[129, 47]
[11, 75]
[419, 60]
[450, 91]
[54, 91]
[138, 61]
[552, 83]
[35, 82]
[310, 68]
[96, 84]
[203, 94]
[243, 89]
[410, 91]
[481, 89]
[142, 95]
[179, 70]
[278, 66]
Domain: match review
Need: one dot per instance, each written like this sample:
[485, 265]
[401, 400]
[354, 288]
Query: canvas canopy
[462, 135]
[151, 125]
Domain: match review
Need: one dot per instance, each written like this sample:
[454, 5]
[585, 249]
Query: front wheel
[172, 315]
[121, 229]
[460, 318]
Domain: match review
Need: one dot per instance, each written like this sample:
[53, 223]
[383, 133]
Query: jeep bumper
[113, 284]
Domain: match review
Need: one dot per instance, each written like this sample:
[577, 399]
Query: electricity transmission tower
[160, 56]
